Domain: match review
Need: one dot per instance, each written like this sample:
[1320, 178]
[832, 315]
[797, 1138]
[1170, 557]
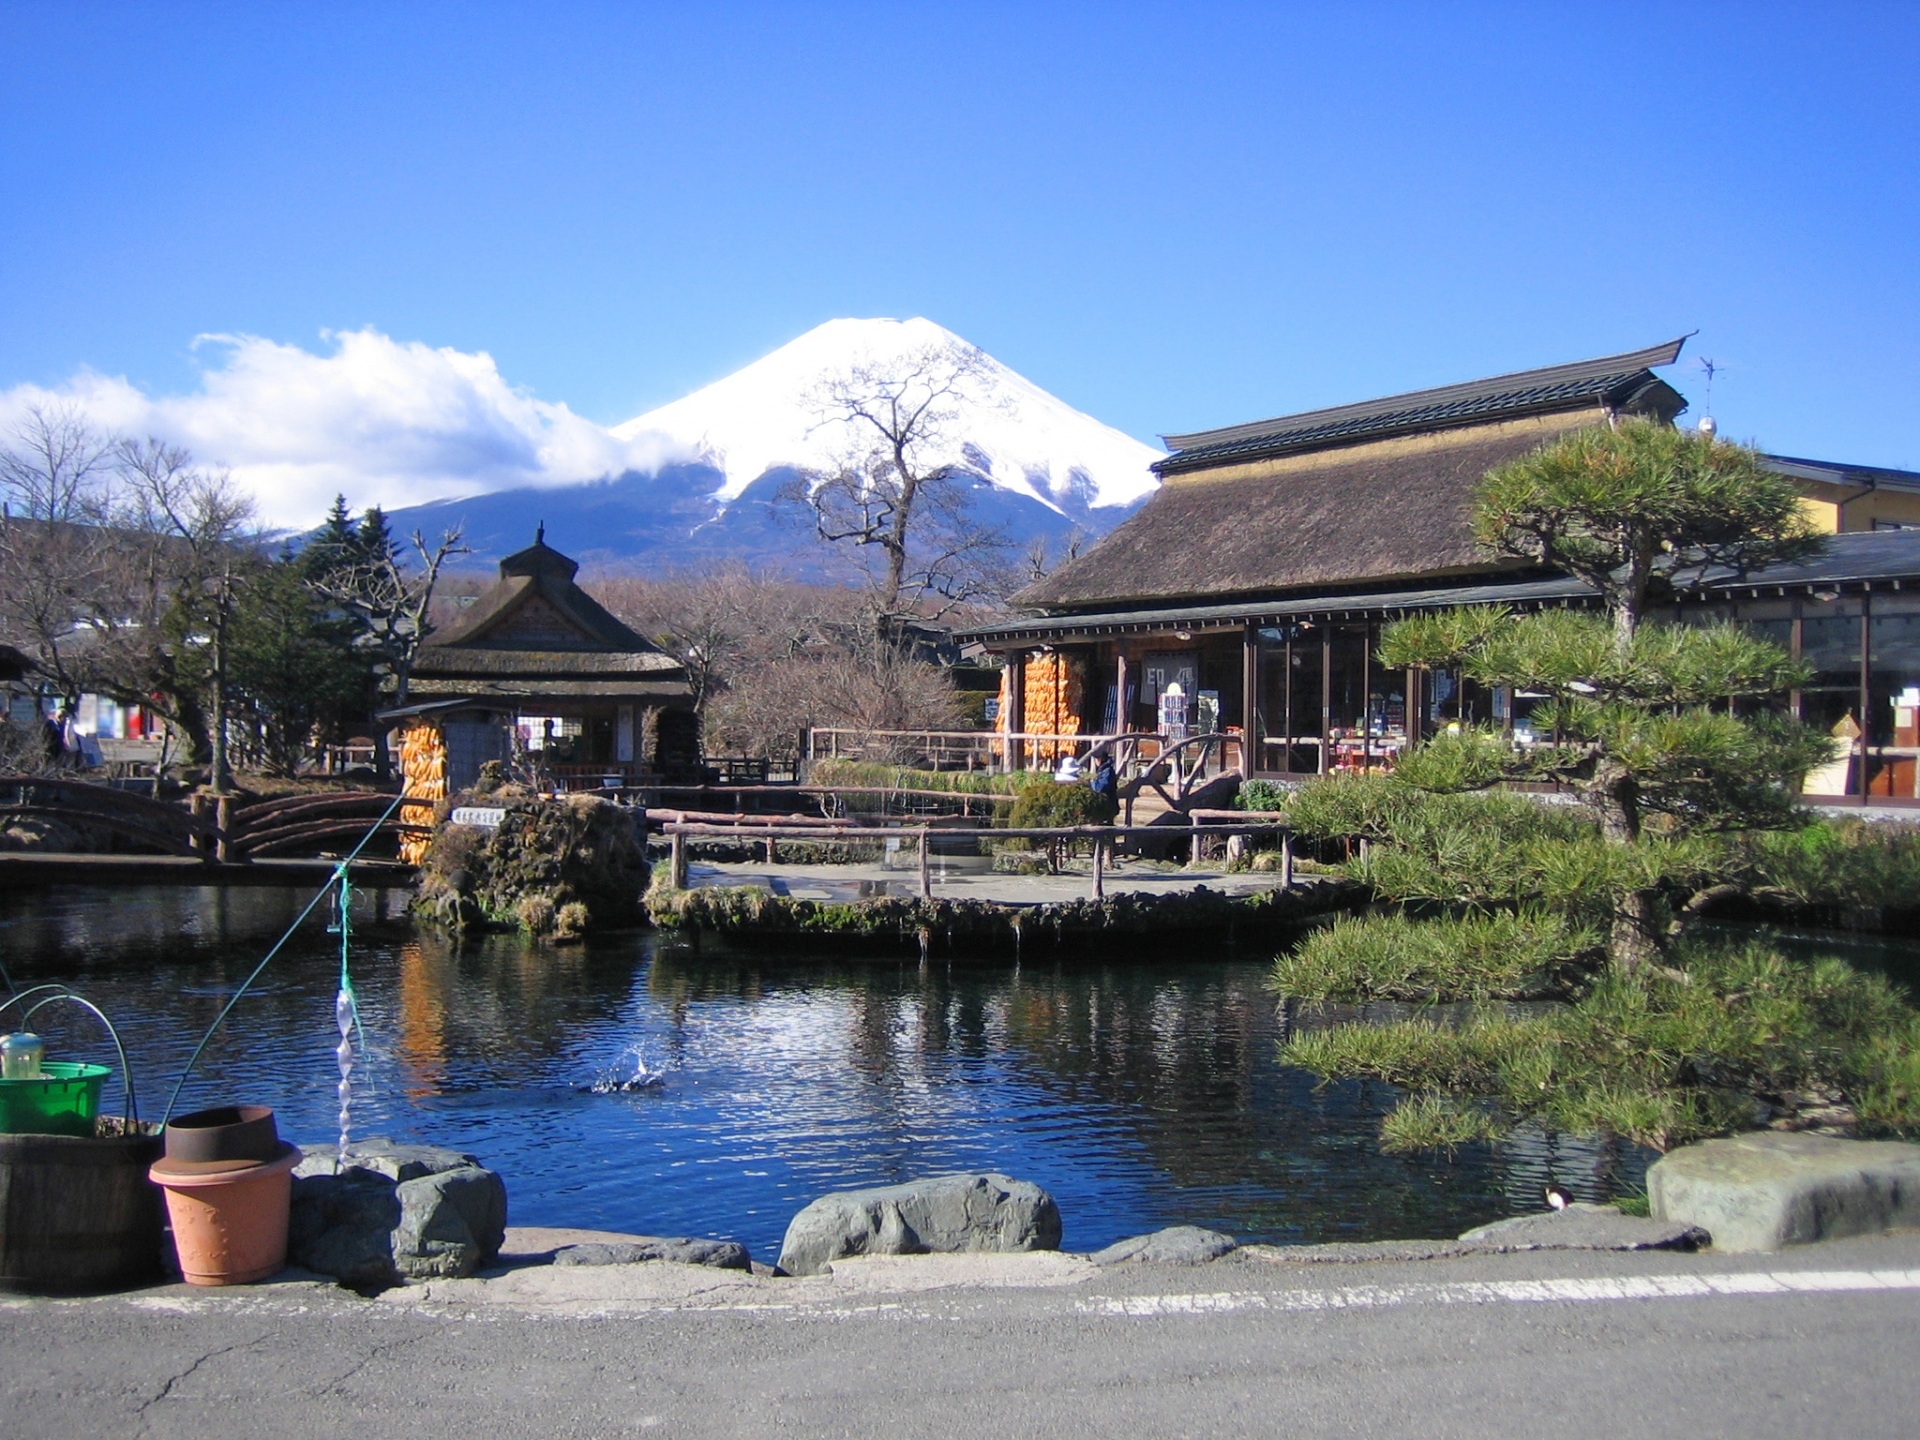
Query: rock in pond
[721, 1254]
[1770, 1189]
[394, 1212]
[1176, 1245]
[1584, 1227]
[944, 1213]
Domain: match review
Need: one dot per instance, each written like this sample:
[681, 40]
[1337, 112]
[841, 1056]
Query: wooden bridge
[221, 831]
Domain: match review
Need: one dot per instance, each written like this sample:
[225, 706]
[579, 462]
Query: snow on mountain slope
[1013, 434]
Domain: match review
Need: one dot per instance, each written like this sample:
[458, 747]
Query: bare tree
[1038, 561]
[391, 599]
[55, 555]
[55, 466]
[892, 500]
[187, 549]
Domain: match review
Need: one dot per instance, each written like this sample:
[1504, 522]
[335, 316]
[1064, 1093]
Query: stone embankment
[746, 914]
[400, 1213]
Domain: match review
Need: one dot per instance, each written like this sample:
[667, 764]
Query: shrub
[1530, 955]
[1048, 803]
[1262, 795]
[1662, 1058]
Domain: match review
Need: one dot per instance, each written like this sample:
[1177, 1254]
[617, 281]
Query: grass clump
[864, 774]
[1527, 955]
[1739, 1035]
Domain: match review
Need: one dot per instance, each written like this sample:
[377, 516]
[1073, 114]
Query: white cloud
[378, 420]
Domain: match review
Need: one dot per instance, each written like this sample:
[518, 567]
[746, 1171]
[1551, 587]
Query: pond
[1142, 1094]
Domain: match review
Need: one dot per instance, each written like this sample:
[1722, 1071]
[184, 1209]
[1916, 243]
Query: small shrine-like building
[590, 699]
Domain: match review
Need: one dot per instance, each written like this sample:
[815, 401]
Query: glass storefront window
[1830, 644]
[1289, 709]
[1896, 676]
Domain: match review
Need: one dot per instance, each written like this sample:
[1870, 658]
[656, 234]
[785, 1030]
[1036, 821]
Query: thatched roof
[1388, 511]
[1380, 492]
[536, 632]
[1619, 382]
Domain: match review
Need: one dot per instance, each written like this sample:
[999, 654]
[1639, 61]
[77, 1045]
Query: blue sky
[1172, 217]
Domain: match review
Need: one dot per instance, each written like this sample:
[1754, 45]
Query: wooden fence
[1102, 837]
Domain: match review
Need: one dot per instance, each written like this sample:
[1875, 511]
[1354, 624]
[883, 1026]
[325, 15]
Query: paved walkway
[963, 882]
[1814, 1342]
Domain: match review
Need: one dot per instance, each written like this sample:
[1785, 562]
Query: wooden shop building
[1247, 595]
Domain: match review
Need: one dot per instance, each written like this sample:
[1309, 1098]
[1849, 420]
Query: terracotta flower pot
[229, 1216]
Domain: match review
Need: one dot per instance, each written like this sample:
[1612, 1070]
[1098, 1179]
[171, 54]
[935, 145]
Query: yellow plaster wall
[1826, 504]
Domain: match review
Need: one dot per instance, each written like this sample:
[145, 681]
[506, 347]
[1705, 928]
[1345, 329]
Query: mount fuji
[1034, 465]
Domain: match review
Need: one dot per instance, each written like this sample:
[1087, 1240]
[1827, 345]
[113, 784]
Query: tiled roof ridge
[1521, 388]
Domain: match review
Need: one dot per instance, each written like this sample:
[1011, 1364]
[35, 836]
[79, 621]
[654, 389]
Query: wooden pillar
[1249, 695]
[1794, 697]
[1865, 741]
[1326, 697]
[1122, 712]
[1099, 868]
[1016, 706]
[926, 870]
[222, 822]
[1366, 698]
[678, 862]
[1286, 859]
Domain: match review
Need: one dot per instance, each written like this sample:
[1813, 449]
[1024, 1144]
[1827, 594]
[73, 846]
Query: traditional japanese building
[1247, 595]
[537, 656]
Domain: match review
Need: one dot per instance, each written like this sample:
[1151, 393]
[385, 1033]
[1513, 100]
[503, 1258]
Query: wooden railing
[1101, 836]
[213, 827]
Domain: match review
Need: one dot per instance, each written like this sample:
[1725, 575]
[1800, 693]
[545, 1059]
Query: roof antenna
[540, 530]
[1708, 426]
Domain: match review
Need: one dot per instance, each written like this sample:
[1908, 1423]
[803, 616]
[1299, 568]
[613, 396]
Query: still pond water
[1142, 1094]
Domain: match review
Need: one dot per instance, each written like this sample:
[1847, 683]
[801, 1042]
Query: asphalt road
[1821, 1341]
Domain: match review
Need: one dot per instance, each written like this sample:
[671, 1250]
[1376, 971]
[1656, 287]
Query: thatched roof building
[536, 654]
[1246, 595]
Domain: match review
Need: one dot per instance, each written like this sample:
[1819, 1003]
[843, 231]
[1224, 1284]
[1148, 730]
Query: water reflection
[1140, 1094]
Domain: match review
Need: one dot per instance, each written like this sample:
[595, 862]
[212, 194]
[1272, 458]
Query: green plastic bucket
[65, 1100]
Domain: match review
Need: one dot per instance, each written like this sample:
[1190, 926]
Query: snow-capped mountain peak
[1008, 430]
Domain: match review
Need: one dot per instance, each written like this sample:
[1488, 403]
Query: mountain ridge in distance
[1034, 465]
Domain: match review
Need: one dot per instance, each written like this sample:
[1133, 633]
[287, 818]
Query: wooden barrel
[78, 1214]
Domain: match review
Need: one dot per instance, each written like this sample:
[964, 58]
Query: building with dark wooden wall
[1257, 579]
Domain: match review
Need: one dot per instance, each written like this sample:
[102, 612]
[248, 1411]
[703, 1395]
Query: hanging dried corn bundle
[423, 768]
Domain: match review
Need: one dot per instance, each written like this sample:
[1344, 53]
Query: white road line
[1496, 1292]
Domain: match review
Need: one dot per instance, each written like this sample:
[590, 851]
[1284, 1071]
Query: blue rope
[339, 877]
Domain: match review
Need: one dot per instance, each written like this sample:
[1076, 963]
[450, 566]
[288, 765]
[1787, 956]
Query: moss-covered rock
[551, 867]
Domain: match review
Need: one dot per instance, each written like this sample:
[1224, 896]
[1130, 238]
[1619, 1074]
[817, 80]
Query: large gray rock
[1771, 1189]
[944, 1213]
[1175, 1245]
[1585, 1227]
[393, 1213]
[721, 1254]
[381, 1156]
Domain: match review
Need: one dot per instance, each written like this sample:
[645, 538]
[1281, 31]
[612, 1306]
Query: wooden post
[222, 818]
[1122, 712]
[1016, 716]
[773, 855]
[678, 863]
[1099, 868]
[1249, 694]
[1286, 859]
[1326, 698]
[926, 871]
[195, 839]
